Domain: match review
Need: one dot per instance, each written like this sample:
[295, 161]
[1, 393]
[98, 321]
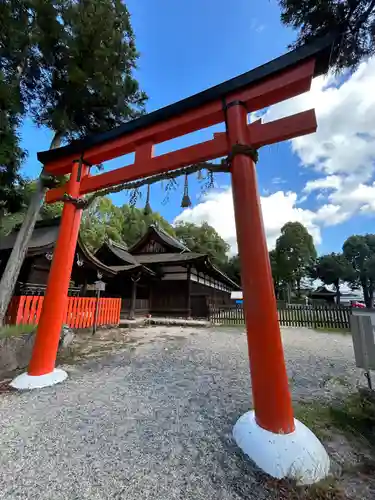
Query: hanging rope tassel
[186, 202]
[147, 210]
[200, 175]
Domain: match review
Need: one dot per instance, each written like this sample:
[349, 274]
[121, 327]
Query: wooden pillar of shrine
[133, 298]
[188, 293]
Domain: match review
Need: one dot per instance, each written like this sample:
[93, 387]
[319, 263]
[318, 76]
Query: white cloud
[342, 151]
[345, 139]
[278, 208]
[278, 180]
[330, 182]
[343, 148]
[329, 215]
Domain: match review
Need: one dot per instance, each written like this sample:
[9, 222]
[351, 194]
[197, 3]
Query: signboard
[363, 340]
[100, 285]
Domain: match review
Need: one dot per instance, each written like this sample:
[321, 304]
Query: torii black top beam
[319, 49]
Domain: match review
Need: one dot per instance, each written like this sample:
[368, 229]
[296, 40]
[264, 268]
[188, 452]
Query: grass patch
[15, 330]
[315, 416]
[327, 489]
[356, 416]
[353, 416]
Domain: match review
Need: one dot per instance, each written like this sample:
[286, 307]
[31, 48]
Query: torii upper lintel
[277, 80]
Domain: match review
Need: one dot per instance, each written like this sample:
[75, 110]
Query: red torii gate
[230, 102]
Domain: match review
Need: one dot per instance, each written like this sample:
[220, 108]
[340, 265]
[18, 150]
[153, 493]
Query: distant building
[322, 293]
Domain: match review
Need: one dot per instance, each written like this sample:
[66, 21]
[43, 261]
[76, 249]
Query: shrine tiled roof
[170, 240]
[44, 237]
[155, 258]
[120, 251]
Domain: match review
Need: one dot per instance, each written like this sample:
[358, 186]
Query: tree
[359, 250]
[353, 21]
[136, 222]
[11, 157]
[101, 221]
[203, 239]
[276, 273]
[295, 252]
[233, 269]
[83, 84]
[11, 110]
[332, 269]
[26, 189]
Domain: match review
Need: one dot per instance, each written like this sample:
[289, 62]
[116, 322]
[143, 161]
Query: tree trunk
[370, 295]
[298, 282]
[288, 293]
[368, 300]
[366, 295]
[17, 256]
[338, 297]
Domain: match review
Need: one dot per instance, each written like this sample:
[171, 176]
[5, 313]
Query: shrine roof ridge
[319, 48]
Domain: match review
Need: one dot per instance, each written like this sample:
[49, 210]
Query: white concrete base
[26, 381]
[298, 455]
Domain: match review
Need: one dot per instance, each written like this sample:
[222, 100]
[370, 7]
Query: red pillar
[272, 400]
[54, 306]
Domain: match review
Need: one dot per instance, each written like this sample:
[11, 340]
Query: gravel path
[154, 420]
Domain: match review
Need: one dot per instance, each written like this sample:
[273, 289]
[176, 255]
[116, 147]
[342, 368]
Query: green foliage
[203, 239]
[233, 269]
[25, 191]
[332, 269]
[103, 220]
[72, 72]
[359, 250]
[354, 415]
[11, 154]
[136, 223]
[275, 270]
[20, 78]
[47, 211]
[70, 65]
[88, 51]
[19, 62]
[100, 221]
[69, 68]
[353, 20]
[294, 254]
[15, 330]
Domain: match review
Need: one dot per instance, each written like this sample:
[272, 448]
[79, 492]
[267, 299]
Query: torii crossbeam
[292, 444]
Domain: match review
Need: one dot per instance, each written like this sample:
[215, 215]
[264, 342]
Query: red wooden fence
[80, 312]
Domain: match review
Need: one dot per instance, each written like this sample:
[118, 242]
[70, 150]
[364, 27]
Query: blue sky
[187, 46]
